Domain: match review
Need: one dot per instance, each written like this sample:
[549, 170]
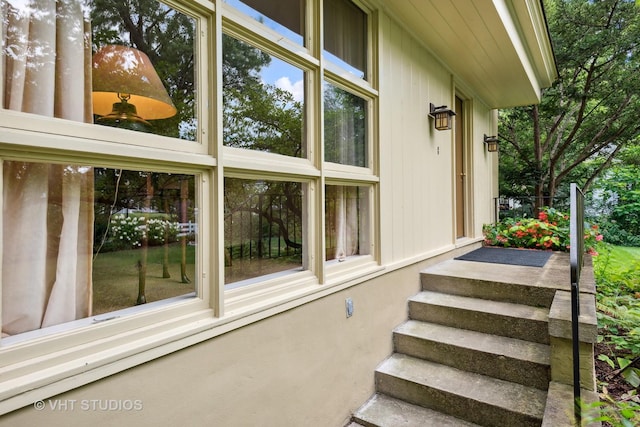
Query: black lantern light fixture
[441, 116]
[492, 143]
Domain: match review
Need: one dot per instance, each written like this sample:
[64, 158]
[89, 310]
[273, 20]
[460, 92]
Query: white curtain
[47, 227]
[347, 226]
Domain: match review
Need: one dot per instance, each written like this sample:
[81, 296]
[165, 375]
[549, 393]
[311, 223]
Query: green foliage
[590, 112]
[550, 231]
[618, 302]
[618, 413]
[618, 289]
[619, 199]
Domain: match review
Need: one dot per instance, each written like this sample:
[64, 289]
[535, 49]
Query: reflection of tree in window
[344, 127]
[167, 37]
[263, 227]
[257, 116]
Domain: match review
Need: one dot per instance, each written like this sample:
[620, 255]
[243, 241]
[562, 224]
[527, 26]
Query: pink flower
[599, 237]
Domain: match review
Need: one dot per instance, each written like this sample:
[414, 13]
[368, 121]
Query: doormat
[524, 257]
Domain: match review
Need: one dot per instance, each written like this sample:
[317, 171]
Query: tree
[618, 199]
[589, 114]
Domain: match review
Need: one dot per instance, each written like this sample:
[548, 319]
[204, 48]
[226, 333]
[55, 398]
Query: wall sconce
[492, 143]
[442, 116]
[127, 90]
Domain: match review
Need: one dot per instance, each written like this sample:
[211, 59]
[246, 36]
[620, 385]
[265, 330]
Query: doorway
[460, 171]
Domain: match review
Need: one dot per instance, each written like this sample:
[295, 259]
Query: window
[130, 222]
[134, 61]
[345, 35]
[345, 139]
[272, 117]
[284, 16]
[263, 228]
[263, 99]
[347, 211]
[86, 241]
[92, 227]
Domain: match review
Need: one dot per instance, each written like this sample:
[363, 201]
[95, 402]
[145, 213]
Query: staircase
[475, 351]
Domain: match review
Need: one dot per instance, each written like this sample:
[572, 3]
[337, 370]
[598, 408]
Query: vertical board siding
[416, 160]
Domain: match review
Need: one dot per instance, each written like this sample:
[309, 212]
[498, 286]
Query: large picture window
[156, 190]
[85, 241]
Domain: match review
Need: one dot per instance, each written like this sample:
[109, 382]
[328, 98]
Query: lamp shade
[128, 71]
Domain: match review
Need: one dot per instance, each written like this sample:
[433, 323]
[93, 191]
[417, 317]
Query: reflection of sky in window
[284, 76]
[265, 20]
[353, 70]
[278, 73]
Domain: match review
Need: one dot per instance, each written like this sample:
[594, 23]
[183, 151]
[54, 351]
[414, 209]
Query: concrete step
[473, 397]
[492, 317]
[509, 359]
[385, 411]
[497, 282]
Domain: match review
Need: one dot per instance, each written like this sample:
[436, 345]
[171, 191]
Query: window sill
[28, 380]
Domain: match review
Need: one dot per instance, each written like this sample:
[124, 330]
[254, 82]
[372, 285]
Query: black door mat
[524, 257]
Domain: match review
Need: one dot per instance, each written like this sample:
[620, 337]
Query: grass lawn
[115, 277]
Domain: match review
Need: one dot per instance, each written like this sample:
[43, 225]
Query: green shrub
[613, 233]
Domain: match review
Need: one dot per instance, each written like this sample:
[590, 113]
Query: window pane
[123, 64]
[263, 101]
[345, 35]
[85, 241]
[263, 231]
[284, 16]
[345, 139]
[347, 221]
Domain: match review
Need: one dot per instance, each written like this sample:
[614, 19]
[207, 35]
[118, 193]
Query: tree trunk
[184, 195]
[142, 264]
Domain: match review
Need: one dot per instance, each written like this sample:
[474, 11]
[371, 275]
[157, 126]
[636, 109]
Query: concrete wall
[309, 366]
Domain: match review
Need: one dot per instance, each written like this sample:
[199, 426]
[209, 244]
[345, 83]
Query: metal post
[576, 254]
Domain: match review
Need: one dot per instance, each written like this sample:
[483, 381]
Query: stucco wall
[309, 366]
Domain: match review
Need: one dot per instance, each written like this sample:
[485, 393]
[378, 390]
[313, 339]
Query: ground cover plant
[618, 349]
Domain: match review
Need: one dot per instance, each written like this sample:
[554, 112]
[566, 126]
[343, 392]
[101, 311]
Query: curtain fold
[47, 227]
[347, 221]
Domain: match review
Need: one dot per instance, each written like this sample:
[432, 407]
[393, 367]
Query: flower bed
[549, 231]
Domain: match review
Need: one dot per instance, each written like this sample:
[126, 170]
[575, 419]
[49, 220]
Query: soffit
[500, 48]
